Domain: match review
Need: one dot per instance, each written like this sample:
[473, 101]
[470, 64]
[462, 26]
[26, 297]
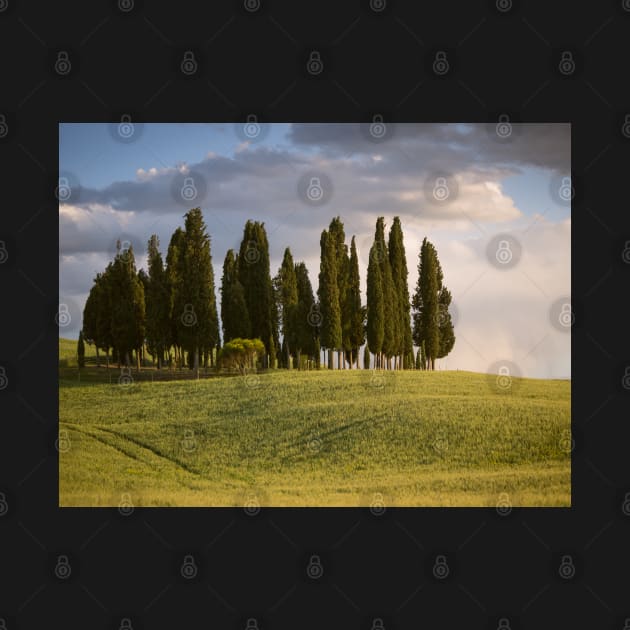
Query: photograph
[372, 315]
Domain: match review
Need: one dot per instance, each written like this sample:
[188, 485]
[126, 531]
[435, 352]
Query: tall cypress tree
[328, 294]
[198, 326]
[425, 303]
[254, 275]
[127, 306]
[174, 282]
[234, 315]
[157, 302]
[354, 312]
[375, 307]
[342, 272]
[305, 327]
[288, 300]
[398, 261]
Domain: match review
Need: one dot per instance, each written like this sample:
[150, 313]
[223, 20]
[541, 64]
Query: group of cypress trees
[171, 312]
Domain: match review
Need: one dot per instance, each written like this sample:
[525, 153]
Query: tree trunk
[350, 359]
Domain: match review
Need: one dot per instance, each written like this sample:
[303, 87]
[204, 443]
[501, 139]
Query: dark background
[377, 58]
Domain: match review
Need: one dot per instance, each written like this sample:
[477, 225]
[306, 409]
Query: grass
[320, 438]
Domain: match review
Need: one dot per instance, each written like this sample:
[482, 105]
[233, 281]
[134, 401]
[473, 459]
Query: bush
[241, 353]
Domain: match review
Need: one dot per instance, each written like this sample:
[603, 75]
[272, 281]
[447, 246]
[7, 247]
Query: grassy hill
[316, 438]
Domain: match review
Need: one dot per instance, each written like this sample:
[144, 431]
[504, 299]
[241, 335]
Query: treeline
[170, 311]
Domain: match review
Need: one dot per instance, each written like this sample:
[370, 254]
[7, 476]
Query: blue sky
[127, 185]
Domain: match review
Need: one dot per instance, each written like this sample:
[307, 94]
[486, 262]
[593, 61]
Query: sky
[494, 200]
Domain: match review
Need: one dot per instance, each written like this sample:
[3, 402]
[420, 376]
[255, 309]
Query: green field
[319, 438]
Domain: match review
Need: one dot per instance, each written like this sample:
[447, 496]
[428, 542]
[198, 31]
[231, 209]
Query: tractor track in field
[139, 452]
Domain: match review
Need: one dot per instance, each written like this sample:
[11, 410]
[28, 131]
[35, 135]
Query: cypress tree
[81, 350]
[425, 303]
[398, 261]
[174, 281]
[418, 359]
[305, 327]
[375, 306]
[127, 306]
[254, 275]
[342, 273]
[198, 326]
[328, 294]
[157, 302]
[234, 315]
[288, 300]
[355, 314]
[447, 332]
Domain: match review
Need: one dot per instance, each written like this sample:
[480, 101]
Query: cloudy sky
[495, 201]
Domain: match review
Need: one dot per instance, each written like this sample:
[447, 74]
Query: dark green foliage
[241, 353]
[254, 275]
[375, 306]
[234, 315]
[197, 322]
[174, 281]
[447, 332]
[398, 262]
[157, 299]
[81, 350]
[418, 365]
[287, 292]
[306, 329]
[127, 305]
[328, 294]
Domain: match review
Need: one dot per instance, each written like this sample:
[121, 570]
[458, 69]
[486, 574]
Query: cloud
[501, 314]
